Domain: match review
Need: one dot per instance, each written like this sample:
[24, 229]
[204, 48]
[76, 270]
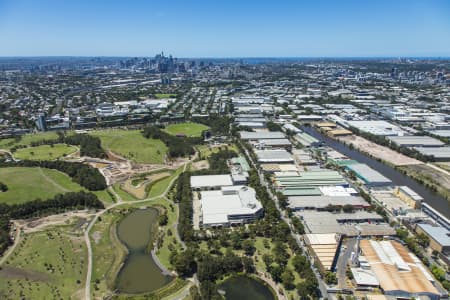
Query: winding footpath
[14, 245]
[87, 289]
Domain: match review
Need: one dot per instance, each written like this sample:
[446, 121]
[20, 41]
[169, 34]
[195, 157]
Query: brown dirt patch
[18, 273]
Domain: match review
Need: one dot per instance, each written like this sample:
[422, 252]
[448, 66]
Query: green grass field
[188, 129]
[54, 261]
[44, 152]
[25, 184]
[162, 96]
[27, 139]
[132, 145]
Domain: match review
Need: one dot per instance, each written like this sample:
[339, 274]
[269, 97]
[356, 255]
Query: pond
[139, 273]
[244, 287]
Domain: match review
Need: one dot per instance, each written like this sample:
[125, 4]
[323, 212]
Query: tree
[330, 278]
[287, 278]
[348, 208]
[248, 247]
[184, 263]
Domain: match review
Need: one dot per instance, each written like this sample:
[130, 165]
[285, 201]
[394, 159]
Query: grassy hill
[188, 129]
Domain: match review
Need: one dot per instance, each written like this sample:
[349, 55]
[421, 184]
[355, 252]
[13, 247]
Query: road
[87, 290]
[343, 261]
[262, 180]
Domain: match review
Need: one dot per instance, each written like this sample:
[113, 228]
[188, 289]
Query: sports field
[162, 96]
[44, 152]
[27, 139]
[25, 184]
[187, 129]
[132, 145]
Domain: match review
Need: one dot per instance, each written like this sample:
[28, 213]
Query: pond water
[244, 287]
[139, 274]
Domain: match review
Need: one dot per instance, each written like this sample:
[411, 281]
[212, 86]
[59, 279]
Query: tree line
[84, 175]
[37, 208]
[178, 146]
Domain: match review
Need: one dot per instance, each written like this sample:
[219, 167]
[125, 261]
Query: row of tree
[84, 175]
[218, 125]
[178, 146]
[37, 208]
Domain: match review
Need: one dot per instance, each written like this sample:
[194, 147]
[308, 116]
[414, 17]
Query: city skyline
[220, 30]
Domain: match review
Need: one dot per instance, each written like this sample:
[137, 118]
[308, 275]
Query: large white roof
[211, 181]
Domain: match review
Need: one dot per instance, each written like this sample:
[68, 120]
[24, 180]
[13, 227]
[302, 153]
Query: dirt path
[87, 290]
[53, 182]
[11, 249]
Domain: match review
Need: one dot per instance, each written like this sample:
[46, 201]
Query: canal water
[431, 198]
[139, 274]
[244, 287]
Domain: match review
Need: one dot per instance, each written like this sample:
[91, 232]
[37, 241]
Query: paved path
[87, 290]
[438, 169]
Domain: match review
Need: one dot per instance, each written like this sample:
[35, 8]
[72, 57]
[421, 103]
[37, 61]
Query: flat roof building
[415, 141]
[380, 127]
[439, 153]
[229, 205]
[261, 135]
[321, 202]
[324, 247]
[439, 237]
[370, 177]
[274, 156]
[210, 182]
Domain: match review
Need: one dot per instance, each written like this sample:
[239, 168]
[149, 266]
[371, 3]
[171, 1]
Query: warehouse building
[322, 202]
[324, 249]
[306, 140]
[274, 144]
[439, 237]
[415, 141]
[438, 153]
[229, 205]
[261, 135]
[310, 181]
[399, 272]
[210, 182]
[368, 175]
[410, 197]
[274, 156]
[381, 128]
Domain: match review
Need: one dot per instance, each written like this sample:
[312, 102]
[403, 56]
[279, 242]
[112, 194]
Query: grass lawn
[27, 139]
[132, 145]
[44, 152]
[206, 150]
[188, 129]
[159, 187]
[162, 96]
[25, 184]
[55, 262]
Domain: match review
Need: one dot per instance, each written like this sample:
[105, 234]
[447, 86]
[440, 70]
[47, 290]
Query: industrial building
[273, 144]
[306, 140]
[321, 202]
[368, 175]
[229, 205]
[324, 248]
[438, 153]
[261, 135]
[399, 272]
[410, 197]
[415, 141]
[381, 127]
[439, 237]
[274, 156]
[210, 182]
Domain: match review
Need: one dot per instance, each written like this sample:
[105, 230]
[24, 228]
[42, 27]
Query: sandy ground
[200, 165]
[33, 225]
[377, 151]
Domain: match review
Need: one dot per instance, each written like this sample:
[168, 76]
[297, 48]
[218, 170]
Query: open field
[27, 139]
[162, 96]
[25, 184]
[187, 129]
[206, 150]
[44, 152]
[49, 264]
[132, 145]
[377, 151]
[140, 190]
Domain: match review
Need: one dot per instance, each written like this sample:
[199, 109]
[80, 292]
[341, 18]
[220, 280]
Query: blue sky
[197, 28]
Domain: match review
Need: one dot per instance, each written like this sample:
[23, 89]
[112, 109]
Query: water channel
[139, 274]
[244, 287]
[431, 198]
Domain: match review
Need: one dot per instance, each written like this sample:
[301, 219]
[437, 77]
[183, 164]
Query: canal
[431, 198]
[139, 274]
[244, 287]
